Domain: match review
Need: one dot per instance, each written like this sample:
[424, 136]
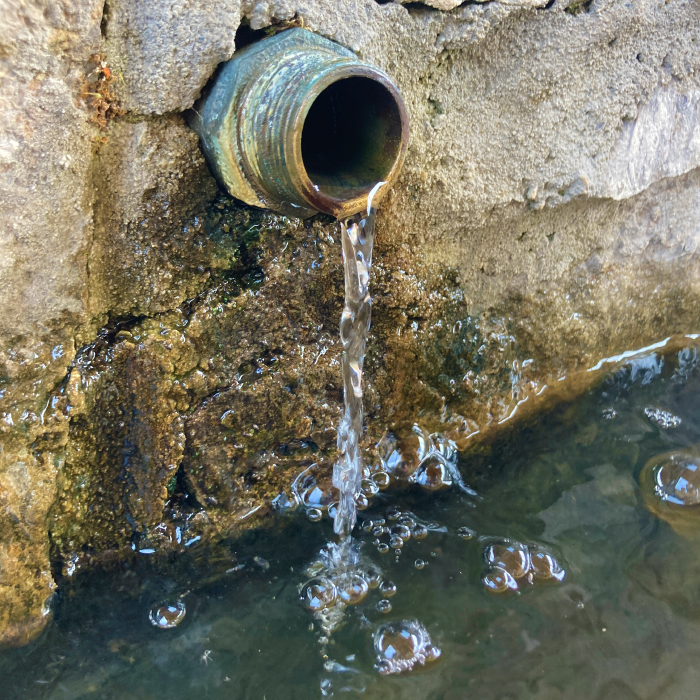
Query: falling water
[358, 237]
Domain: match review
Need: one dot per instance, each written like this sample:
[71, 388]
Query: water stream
[357, 234]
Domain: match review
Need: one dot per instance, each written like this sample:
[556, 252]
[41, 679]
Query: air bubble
[318, 594]
[544, 566]
[373, 576]
[361, 501]
[379, 530]
[670, 487]
[400, 646]
[167, 616]
[367, 526]
[498, 580]
[402, 531]
[383, 548]
[387, 588]
[432, 474]
[384, 606]
[420, 532]
[420, 564]
[510, 556]
[393, 513]
[314, 515]
[395, 542]
[369, 488]
[466, 533]
[408, 520]
[677, 480]
[352, 588]
[319, 496]
[381, 480]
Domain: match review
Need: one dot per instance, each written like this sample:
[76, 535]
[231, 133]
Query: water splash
[357, 235]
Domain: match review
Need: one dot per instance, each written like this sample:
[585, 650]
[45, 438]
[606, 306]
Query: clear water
[624, 623]
[357, 235]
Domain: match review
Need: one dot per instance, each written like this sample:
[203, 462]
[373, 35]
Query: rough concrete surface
[168, 356]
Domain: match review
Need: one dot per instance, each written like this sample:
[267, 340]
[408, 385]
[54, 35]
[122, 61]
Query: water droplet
[314, 515]
[466, 533]
[318, 594]
[510, 556]
[544, 566]
[167, 616]
[387, 588]
[384, 606]
[228, 419]
[432, 474]
[420, 532]
[420, 564]
[352, 588]
[400, 646]
[499, 581]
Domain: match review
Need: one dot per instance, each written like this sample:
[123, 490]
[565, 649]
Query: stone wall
[160, 342]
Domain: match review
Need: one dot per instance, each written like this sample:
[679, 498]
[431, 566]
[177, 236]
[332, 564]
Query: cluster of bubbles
[400, 646]
[341, 578]
[392, 532]
[512, 564]
[317, 495]
[428, 460]
[670, 486]
[165, 616]
[664, 419]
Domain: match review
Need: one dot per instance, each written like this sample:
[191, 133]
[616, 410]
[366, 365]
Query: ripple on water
[401, 646]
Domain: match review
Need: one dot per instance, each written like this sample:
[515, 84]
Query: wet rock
[149, 252]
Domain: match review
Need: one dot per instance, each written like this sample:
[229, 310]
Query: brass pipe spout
[298, 124]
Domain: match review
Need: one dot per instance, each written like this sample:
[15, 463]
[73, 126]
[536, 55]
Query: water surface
[623, 624]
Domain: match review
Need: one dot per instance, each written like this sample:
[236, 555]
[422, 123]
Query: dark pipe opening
[351, 137]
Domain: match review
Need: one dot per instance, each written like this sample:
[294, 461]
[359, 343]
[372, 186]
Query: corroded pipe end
[297, 124]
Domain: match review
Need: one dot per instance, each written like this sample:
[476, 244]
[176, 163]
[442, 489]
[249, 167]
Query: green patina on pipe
[298, 124]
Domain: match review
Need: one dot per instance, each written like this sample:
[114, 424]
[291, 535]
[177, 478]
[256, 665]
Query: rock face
[168, 357]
